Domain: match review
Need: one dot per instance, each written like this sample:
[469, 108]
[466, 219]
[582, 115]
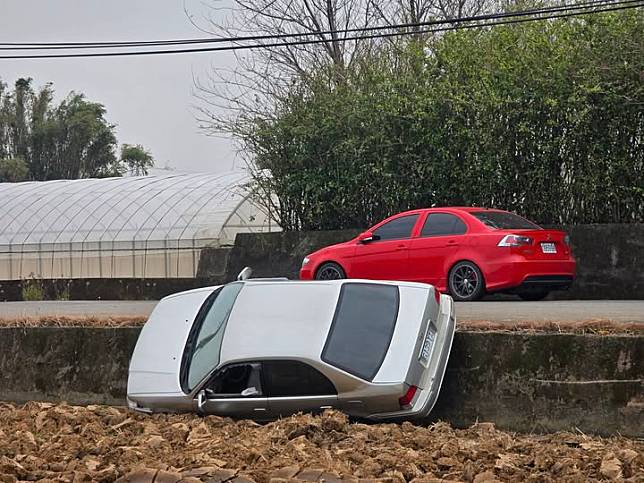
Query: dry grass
[598, 327]
[63, 321]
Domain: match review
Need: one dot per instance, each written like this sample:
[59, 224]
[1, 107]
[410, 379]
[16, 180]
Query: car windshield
[204, 344]
[502, 220]
[362, 328]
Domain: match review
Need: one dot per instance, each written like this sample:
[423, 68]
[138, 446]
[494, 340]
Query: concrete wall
[610, 260]
[520, 382]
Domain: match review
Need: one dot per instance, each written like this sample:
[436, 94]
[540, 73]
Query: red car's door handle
[451, 242]
[401, 247]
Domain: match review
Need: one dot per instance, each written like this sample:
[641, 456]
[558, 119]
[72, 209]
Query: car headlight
[305, 261]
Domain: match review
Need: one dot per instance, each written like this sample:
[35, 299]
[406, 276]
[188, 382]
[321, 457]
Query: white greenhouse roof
[142, 212]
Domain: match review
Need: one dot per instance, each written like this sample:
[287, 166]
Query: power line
[631, 4]
[147, 43]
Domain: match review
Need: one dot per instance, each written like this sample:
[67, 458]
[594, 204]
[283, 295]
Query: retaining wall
[544, 382]
[609, 265]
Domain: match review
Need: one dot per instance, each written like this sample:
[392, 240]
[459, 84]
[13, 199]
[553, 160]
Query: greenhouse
[134, 227]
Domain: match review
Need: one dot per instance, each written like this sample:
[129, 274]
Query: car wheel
[466, 282]
[534, 295]
[330, 271]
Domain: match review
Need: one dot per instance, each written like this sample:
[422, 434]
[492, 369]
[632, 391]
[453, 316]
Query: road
[494, 311]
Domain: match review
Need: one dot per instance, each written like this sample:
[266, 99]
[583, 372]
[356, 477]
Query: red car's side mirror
[367, 237]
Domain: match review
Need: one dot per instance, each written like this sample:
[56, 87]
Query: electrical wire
[150, 43]
[631, 4]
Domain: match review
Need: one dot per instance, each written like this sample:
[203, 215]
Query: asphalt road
[494, 311]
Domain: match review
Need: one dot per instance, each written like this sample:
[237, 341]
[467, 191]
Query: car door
[436, 244]
[293, 386]
[235, 390]
[386, 256]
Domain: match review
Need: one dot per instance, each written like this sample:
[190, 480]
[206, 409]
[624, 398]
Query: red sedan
[464, 251]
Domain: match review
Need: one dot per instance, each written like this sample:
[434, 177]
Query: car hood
[156, 361]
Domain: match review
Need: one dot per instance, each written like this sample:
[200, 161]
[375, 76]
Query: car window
[396, 229]
[438, 224]
[295, 378]
[362, 328]
[236, 380]
[201, 354]
[503, 220]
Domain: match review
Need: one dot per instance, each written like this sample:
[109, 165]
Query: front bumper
[433, 376]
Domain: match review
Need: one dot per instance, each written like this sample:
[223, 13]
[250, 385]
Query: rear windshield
[362, 328]
[502, 220]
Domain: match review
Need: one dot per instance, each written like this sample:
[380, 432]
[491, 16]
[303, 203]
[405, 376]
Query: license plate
[548, 248]
[428, 345]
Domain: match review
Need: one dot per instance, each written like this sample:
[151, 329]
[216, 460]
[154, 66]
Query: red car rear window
[502, 220]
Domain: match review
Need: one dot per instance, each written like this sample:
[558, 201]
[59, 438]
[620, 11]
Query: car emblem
[548, 236]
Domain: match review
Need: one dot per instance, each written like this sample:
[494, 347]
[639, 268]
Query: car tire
[533, 295]
[330, 271]
[466, 282]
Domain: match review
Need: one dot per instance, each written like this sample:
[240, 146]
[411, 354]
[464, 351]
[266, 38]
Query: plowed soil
[41, 441]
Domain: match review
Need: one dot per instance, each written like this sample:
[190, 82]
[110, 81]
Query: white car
[263, 349]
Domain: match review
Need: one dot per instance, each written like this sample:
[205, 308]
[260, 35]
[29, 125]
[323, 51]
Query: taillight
[437, 295]
[405, 400]
[515, 241]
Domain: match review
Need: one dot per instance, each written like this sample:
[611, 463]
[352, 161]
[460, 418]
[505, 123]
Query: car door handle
[451, 242]
[401, 247]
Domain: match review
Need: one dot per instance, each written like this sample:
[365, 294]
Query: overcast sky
[149, 98]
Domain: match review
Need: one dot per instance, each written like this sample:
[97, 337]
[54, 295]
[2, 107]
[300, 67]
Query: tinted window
[236, 380]
[438, 224]
[502, 220]
[361, 331]
[396, 229]
[294, 378]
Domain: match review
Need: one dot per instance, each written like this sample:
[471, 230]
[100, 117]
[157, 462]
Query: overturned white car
[262, 349]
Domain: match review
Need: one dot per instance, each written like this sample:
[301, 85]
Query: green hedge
[542, 118]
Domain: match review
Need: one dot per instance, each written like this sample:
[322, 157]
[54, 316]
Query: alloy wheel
[465, 281]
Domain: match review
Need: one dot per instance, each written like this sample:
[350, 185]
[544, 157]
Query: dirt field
[41, 441]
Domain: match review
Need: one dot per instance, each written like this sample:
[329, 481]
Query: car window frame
[428, 214]
[412, 233]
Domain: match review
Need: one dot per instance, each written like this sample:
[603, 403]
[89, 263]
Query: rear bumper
[425, 399]
[520, 274]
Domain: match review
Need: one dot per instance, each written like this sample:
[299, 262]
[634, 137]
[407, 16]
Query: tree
[263, 77]
[13, 170]
[137, 159]
[68, 140]
[543, 118]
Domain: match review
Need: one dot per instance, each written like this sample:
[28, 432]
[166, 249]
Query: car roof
[466, 209]
[279, 319]
[288, 319]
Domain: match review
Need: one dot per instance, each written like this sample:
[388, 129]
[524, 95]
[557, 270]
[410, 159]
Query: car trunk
[546, 244]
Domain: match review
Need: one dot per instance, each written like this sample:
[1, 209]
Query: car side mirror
[367, 237]
[245, 274]
[201, 400]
